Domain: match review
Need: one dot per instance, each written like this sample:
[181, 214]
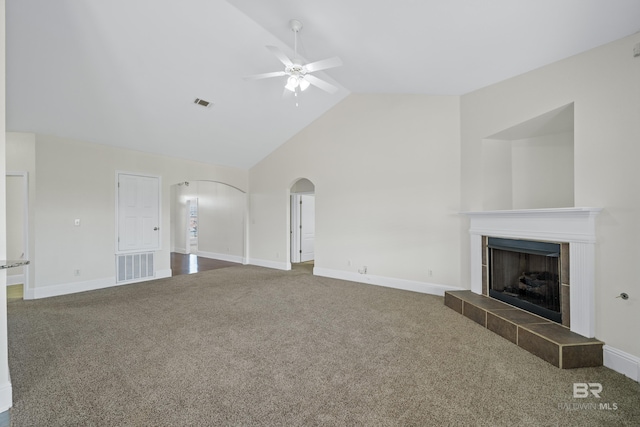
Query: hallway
[190, 263]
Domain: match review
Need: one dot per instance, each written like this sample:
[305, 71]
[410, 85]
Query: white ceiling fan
[298, 73]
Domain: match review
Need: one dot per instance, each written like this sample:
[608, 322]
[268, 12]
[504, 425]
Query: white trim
[6, 396]
[582, 290]
[621, 362]
[476, 263]
[278, 265]
[575, 226]
[222, 257]
[387, 282]
[28, 294]
[87, 285]
[15, 279]
[72, 288]
[182, 251]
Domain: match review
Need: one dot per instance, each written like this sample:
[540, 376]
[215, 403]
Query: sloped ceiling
[126, 72]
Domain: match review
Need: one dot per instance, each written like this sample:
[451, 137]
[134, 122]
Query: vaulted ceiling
[127, 72]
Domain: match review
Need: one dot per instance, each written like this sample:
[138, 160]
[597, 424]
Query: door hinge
[300, 250]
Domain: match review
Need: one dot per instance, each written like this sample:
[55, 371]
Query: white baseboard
[15, 279]
[182, 251]
[269, 264]
[624, 363]
[389, 282]
[6, 396]
[221, 257]
[87, 285]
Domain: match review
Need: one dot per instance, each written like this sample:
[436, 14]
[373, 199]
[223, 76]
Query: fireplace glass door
[525, 274]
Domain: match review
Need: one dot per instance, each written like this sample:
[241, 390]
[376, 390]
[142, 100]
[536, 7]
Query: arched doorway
[208, 220]
[302, 224]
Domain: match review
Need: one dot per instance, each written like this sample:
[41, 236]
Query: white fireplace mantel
[575, 226]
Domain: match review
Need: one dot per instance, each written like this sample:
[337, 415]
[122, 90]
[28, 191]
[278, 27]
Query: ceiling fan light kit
[297, 72]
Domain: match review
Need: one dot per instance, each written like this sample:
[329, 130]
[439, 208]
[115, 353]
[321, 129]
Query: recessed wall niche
[530, 165]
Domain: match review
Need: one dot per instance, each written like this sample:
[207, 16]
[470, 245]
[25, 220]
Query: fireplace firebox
[526, 274]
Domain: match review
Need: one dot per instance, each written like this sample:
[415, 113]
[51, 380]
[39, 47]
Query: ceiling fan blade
[323, 64]
[328, 87]
[265, 75]
[281, 56]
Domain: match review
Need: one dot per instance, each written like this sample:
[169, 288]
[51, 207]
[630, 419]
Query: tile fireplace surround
[572, 226]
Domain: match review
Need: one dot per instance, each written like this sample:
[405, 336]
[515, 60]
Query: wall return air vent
[134, 267]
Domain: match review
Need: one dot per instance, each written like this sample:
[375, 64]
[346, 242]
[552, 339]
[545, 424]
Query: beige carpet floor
[253, 346]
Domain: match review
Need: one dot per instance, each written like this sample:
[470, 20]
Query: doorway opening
[208, 226]
[302, 224]
[17, 201]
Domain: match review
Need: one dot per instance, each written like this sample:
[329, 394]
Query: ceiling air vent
[202, 102]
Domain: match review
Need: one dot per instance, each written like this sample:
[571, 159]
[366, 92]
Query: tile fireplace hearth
[544, 338]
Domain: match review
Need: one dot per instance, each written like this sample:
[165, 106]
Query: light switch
[76, 222]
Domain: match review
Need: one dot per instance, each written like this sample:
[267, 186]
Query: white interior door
[307, 227]
[138, 212]
[295, 228]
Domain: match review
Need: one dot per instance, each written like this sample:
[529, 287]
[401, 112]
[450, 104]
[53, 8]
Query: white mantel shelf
[550, 224]
[542, 211]
[575, 226]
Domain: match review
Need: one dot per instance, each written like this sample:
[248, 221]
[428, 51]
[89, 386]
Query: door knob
[156, 228]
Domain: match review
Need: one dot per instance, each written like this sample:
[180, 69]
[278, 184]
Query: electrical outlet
[349, 262]
[76, 222]
[76, 272]
[430, 272]
[363, 270]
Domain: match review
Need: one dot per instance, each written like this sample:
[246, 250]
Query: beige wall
[604, 85]
[77, 180]
[528, 173]
[542, 172]
[387, 178]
